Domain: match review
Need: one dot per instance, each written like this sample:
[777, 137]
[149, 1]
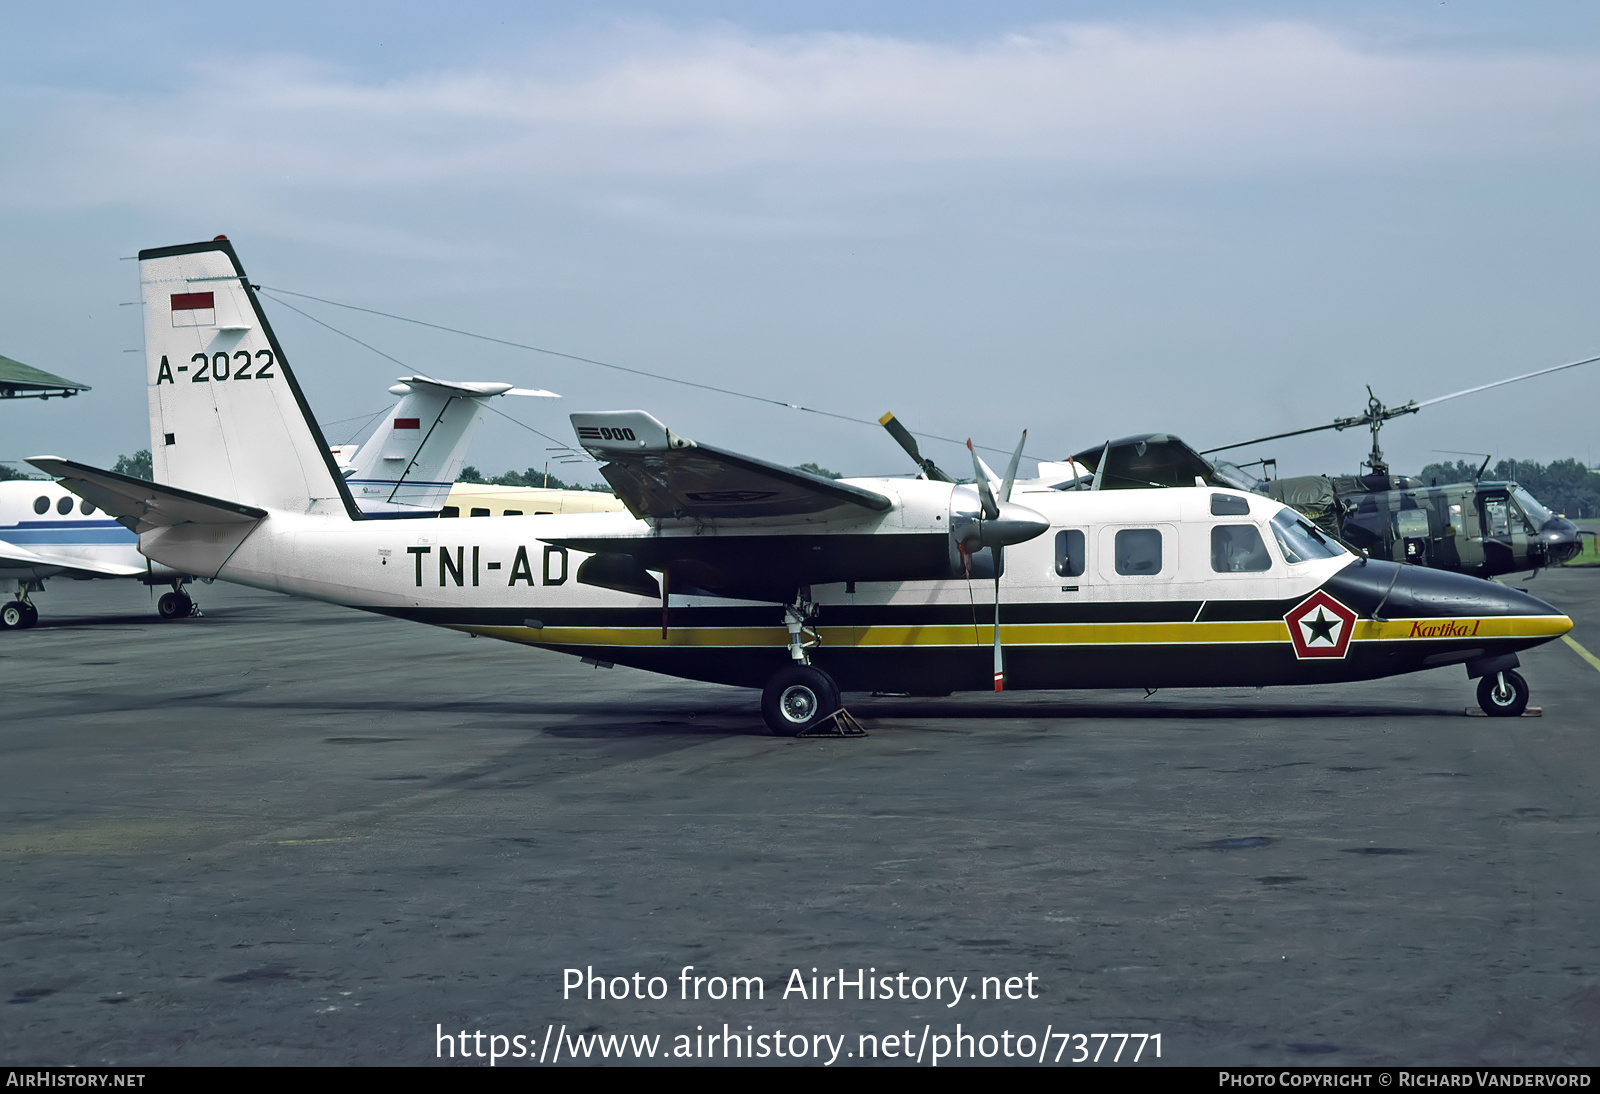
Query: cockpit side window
[1538, 516]
[1299, 539]
[1238, 549]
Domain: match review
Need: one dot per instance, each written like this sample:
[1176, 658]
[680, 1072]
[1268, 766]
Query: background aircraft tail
[227, 418]
[407, 466]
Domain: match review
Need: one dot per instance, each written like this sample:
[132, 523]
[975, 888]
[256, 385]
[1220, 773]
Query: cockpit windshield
[1538, 515]
[1300, 540]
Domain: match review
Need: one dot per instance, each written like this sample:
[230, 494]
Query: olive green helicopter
[1484, 527]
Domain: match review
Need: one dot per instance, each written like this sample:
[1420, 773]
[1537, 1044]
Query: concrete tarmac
[288, 833]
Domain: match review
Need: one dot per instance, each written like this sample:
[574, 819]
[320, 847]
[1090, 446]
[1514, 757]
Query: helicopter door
[1505, 535]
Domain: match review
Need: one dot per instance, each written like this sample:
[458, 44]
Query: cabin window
[1069, 553]
[1238, 549]
[1230, 505]
[543, 513]
[450, 511]
[64, 506]
[480, 512]
[1138, 552]
[41, 505]
[85, 508]
[1411, 524]
[511, 512]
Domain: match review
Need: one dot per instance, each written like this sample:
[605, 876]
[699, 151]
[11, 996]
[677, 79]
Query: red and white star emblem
[1320, 626]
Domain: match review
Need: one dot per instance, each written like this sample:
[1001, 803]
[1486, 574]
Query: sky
[1085, 220]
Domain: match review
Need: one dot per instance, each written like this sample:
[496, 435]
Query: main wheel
[13, 616]
[30, 615]
[174, 606]
[1503, 694]
[797, 698]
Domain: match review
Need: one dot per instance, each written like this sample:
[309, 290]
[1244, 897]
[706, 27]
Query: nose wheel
[1503, 694]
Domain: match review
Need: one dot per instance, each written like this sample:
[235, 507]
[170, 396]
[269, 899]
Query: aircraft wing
[12, 554]
[659, 474]
[141, 505]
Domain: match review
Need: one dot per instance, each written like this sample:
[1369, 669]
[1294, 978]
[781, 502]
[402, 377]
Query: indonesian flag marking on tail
[194, 309]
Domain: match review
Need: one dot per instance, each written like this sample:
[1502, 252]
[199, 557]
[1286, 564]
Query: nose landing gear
[1503, 694]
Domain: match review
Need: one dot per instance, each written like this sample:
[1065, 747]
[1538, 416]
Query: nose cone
[1394, 591]
[1015, 524]
[1560, 539]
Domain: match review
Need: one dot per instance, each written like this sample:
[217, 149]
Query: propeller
[993, 532]
[903, 435]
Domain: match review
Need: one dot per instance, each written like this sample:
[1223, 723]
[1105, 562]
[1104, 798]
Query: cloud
[620, 123]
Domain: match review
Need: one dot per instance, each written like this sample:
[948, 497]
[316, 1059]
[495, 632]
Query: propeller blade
[906, 441]
[1011, 469]
[991, 508]
[1100, 467]
[999, 655]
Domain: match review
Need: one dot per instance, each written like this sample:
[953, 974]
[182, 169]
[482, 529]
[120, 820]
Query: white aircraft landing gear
[1503, 694]
[20, 614]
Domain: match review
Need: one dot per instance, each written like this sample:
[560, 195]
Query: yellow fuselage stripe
[1038, 634]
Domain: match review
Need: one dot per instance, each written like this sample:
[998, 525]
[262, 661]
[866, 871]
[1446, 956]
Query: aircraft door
[1505, 538]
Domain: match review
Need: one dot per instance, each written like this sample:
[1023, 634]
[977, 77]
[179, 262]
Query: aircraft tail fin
[407, 466]
[227, 418]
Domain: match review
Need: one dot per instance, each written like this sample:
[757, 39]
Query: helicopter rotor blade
[1275, 437]
[1381, 413]
[1509, 380]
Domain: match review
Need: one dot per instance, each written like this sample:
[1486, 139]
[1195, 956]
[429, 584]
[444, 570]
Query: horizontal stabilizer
[470, 389]
[141, 505]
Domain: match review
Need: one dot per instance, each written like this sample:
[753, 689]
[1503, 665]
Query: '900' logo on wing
[1320, 626]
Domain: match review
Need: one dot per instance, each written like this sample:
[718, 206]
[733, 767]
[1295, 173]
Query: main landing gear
[20, 614]
[801, 697]
[797, 699]
[177, 604]
[1503, 694]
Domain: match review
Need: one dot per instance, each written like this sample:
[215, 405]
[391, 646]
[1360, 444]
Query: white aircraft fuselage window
[1070, 553]
[1138, 552]
[41, 505]
[1238, 549]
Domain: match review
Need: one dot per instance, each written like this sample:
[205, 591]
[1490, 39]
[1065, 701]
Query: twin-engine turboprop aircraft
[732, 569]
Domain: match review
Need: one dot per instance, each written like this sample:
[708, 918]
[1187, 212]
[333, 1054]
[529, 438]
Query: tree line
[1566, 486]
